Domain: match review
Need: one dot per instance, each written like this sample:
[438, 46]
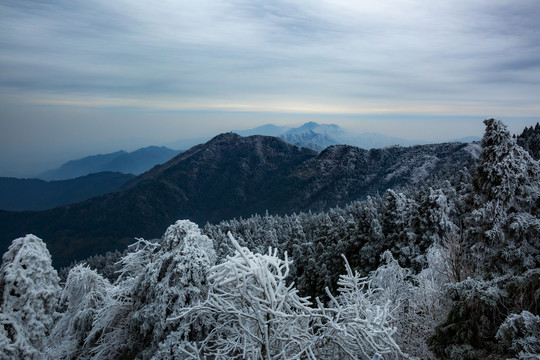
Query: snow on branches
[256, 315]
[30, 290]
[356, 326]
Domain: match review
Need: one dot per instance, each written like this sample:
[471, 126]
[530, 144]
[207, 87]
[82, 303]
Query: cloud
[396, 51]
[401, 57]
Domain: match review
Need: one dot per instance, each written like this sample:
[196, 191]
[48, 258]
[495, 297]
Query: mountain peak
[225, 136]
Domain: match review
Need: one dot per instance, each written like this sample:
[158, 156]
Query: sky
[80, 77]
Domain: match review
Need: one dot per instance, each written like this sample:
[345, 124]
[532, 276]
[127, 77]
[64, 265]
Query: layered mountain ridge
[135, 162]
[229, 176]
[35, 194]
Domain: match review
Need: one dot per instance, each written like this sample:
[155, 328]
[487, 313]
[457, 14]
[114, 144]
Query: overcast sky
[78, 77]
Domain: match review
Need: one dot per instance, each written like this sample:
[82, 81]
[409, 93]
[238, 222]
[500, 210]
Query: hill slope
[135, 162]
[230, 176]
[35, 194]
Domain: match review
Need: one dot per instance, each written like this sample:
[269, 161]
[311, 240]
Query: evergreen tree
[174, 279]
[30, 290]
[530, 140]
[506, 201]
[503, 227]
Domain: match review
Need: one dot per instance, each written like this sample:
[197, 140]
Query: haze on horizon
[84, 77]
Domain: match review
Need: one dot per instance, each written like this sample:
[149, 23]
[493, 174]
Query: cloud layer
[468, 58]
[393, 54]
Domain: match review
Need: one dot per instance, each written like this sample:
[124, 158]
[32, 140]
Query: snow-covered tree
[400, 238]
[434, 214]
[256, 315]
[84, 294]
[520, 333]
[175, 278]
[30, 290]
[530, 140]
[419, 301]
[507, 192]
[371, 242]
[156, 279]
[356, 324]
[111, 331]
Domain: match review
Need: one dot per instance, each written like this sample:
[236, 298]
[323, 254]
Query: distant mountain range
[311, 135]
[25, 194]
[35, 194]
[135, 162]
[319, 136]
[229, 176]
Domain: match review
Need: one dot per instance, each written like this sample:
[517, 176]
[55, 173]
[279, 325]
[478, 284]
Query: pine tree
[506, 200]
[174, 279]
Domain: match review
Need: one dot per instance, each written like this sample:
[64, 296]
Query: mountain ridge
[135, 162]
[35, 194]
[229, 176]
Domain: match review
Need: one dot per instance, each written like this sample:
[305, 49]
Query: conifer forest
[446, 269]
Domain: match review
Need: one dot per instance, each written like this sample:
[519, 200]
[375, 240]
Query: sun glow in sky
[82, 77]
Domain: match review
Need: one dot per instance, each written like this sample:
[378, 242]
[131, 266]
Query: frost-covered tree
[156, 279]
[434, 213]
[507, 197]
[110, 331]
[530, 140]
[419, 301]
[84, 294]
[30, 289]
[501, 229]
[520, 333]
[366, 252]
[357, 324]
[256, 315]
[175, 278]
[399, 235]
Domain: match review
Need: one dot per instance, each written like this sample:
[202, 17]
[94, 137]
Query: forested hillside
[35, 194]
[229, 177]
[447, 267]
[529, 139]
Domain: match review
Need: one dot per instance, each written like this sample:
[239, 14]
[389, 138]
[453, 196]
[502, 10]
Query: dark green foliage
[480, 307]
[529, 139]
[472, 322]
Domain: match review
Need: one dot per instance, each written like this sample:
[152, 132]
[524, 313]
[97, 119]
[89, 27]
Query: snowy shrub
[355, 325]
[30, 291]
[521, 334]
[84, 294]
[418, 301]
[255, 314]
